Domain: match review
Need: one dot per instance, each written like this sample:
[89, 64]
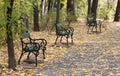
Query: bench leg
[72, 39]
[43, 53]
[92, 28]
[100, 27]
[36, 54]
[28, 55]
[88, 29]
[61, 39]
[20, 57]
[96, 28]
[36, 60]
[67, 40]
[56, 39]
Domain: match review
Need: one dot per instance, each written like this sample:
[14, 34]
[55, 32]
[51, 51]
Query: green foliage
[48, 21]
[30, 1]
[81, 8]
[64, 2]
[19, 8]
[26, 6]
[2, 34]
[63, 16]
[2, 22]
[105, 12]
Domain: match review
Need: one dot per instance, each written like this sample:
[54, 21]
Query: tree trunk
[117, 14]
[58, 11]
[49, 5]
[36, 16]
[11, 57]
[70, 7]
[71, 10]
[41, 5]
[94, 8]
[89, 7]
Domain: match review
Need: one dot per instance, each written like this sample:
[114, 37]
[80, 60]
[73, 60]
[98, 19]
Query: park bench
[92, 22]
[61, 31]
[33, 46]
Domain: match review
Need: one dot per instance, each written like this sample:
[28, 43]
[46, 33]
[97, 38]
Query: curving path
[97, 57]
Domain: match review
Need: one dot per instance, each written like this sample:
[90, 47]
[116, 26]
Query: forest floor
[91, 55]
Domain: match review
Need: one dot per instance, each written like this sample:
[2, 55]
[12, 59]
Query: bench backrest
[25, 34]
[91, 20]
[25, 37]
[59, 27]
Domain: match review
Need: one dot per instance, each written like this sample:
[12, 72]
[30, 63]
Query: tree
[117, 14]
[11, 57]
[25, 20]
[94, 8]
[44, 7]
[58, 11]
[89, 7]
[49, 5]
[71, 10]
[70, 7]
[36, 16]
[41, 5]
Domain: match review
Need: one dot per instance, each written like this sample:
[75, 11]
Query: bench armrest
[40, 41]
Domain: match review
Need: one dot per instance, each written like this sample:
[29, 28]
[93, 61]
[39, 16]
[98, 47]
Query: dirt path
[91, 55]
[99, 56]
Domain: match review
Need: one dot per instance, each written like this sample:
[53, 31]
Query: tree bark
[71, 11]
[58, 11]
[41, 5]
[89, 7]
[94, 8]
[70, 7]
[117, 14]
[36, 16]
[11, 57]
[49, 5]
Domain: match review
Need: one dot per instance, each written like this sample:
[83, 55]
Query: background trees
[92, 8]
[58, 11]
[36, 15]
[89, 7]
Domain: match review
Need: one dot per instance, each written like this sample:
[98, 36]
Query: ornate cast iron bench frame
[61, 31]
[33, 46]
[91, 22]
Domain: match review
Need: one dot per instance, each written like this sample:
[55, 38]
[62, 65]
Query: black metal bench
[33, 46]
[61, 31]
[91, 22]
